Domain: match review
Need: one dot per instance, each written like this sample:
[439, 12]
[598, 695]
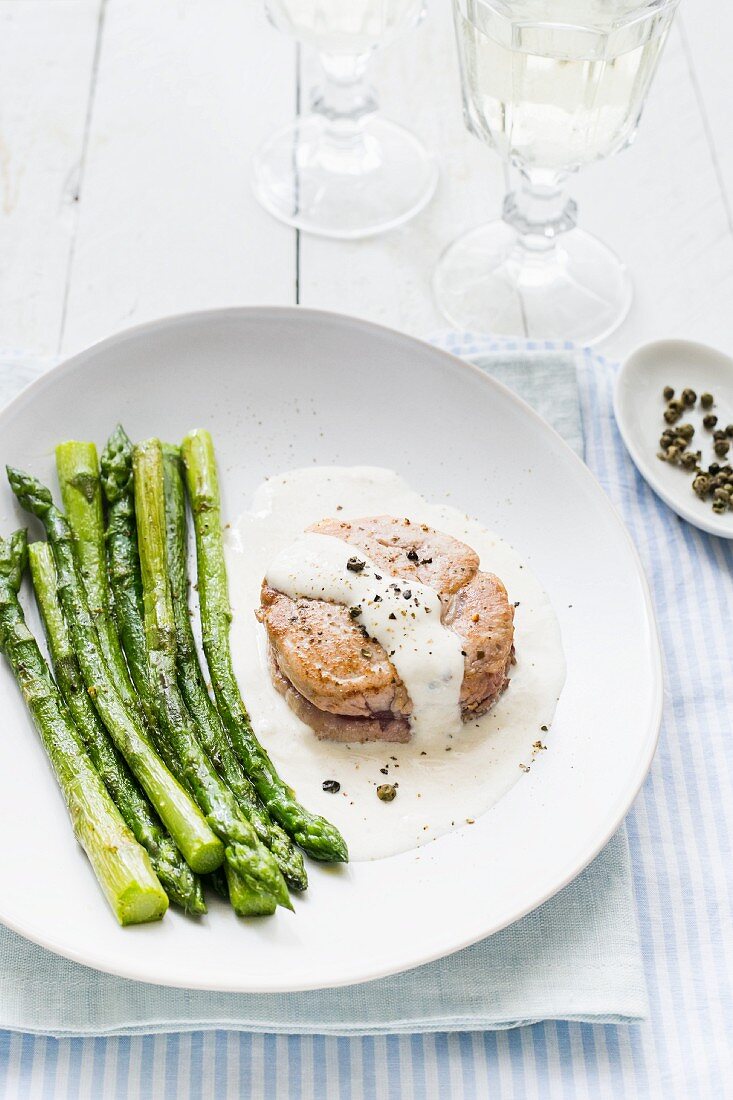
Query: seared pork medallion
[375, 656]
[352, 646]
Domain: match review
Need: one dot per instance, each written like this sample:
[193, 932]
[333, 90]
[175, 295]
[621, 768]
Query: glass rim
[643, 9]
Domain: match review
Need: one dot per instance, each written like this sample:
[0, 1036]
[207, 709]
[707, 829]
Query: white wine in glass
[551, 85]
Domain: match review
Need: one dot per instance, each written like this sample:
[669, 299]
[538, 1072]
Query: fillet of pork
[342, 683]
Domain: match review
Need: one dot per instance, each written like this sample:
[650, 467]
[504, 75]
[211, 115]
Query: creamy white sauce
[403, 615]
[460, 775]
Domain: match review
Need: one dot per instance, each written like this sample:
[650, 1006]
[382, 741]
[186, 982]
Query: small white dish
[639, 407]
[283, 388]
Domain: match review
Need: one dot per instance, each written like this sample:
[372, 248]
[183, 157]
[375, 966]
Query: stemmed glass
[551, 85]
[342, 170]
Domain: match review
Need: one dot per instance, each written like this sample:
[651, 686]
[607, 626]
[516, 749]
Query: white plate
[639, 406]
[288, 387]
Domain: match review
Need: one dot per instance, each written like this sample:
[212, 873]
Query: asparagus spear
[126, 581]
[123, 561]
[245, 854]
[122, 867]
[202, 850]
[213, 735]
[176, 877]
[314, 834]
[78, 474]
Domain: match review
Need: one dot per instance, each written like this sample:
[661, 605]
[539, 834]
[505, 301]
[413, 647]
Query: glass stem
[540, 212]
[344, 100]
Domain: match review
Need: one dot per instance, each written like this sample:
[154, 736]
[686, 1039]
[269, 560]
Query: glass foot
[346, 184]
[488, 281]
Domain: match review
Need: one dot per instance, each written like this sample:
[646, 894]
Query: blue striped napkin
[575, 958]
[681, 841]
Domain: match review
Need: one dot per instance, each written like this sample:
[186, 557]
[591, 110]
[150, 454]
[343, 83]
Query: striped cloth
[680, 833]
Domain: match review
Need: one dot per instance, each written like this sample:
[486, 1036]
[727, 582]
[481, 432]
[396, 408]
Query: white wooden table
[127, 129]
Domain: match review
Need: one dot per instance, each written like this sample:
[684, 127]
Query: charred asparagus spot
[121, 865]
[314, 834]
[176, 877]
[212, 733]
[256, 884]
[201, 848]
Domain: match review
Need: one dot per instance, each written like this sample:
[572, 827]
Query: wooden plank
[186, 91]
[706, 29]
[46, 59]
[658, 204]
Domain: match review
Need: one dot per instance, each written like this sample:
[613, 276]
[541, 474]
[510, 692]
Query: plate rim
[643, 762]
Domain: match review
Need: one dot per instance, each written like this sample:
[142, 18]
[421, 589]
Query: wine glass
[342, 170]
[551, 85]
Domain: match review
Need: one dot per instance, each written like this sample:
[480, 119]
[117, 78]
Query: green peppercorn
[701, 485]
[718, 434]
[690, 460]
[714, 468]
[673, 454]
[672, 415]
[668, 393]
[706, 400]
[386, 792]
[710, 421]
[720, 494]
[686, 431]
[721, 447]
[720, 506]
[729, 431]
[689, 397]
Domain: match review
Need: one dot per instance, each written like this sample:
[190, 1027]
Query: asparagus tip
[34, 496]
